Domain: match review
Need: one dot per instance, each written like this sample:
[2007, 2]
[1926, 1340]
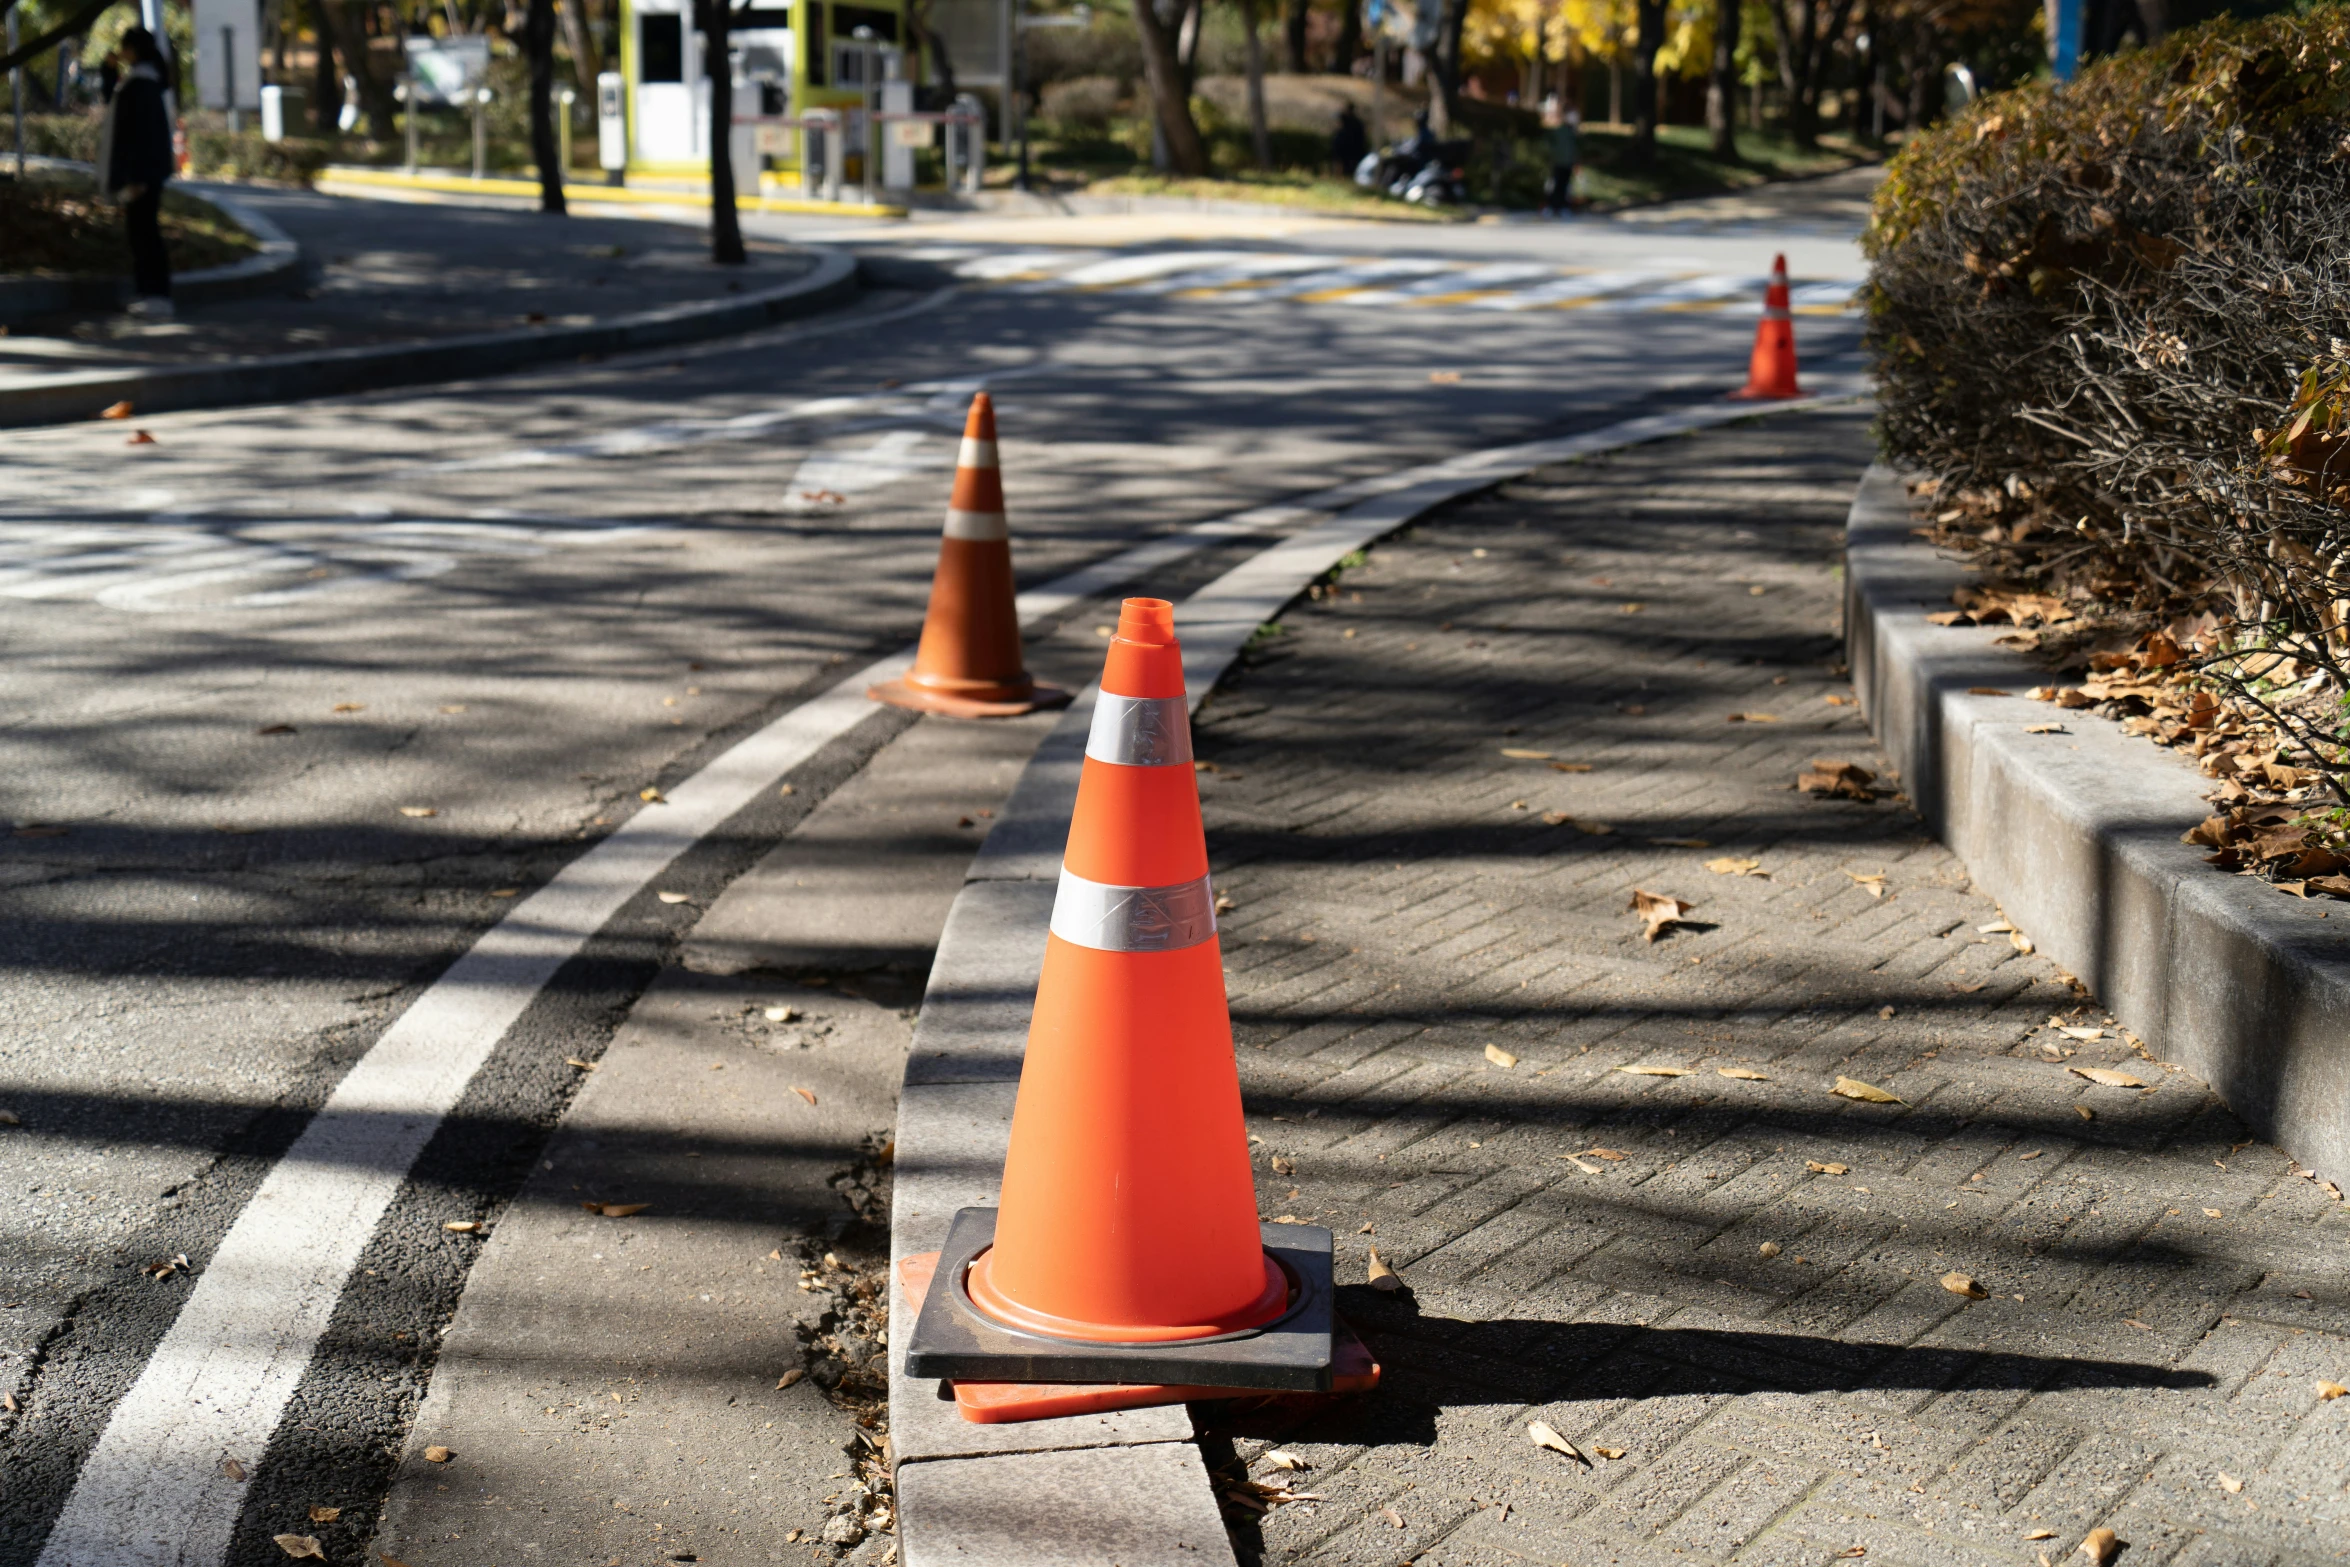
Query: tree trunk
[1293, 37]
[1807, 42]
[1260, 137]
[538, 40]
[375, 93]
[325, 80]
[1721, 89]
[1170, 94]
[586, 63]
[1644, 85]
[1350, 38]
[726, 232]
[1444, 104]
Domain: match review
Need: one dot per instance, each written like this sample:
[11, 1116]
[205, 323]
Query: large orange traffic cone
[969, 664]
[1127, 1247]
[1129, 1212]
[1771, 373]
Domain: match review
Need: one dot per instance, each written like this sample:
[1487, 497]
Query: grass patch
[1685, 164]
[56, 225]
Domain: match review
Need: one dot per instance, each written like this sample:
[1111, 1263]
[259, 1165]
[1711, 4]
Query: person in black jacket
[134, 160]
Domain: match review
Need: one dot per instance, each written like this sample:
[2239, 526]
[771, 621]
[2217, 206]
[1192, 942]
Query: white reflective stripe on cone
[1140, 731]
[1133, 919]
[976, 454]
[978, 526]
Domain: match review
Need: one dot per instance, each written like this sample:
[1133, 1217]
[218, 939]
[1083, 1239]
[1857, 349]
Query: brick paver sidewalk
[1729, 1298]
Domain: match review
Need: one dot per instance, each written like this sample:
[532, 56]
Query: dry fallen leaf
[1730, 865]
[438, 1455]
[1960, 1284]
[1655, 1071]
[463, 1226]
[2041, 1534]
[780, 1014]
[1525, 756]
[1886, 1013]
[2082, 1034]
[2100, 1546]
[2084, 1112]
[1854, 1088]
[652, 796]
[300, 1545]
[1382, 1276]
[325, 1514]
[674, 897]
[789, 1378]
[1831, 777]
[2211, 1213]
[9, 1118]
[1570, 767]
[1818, 1168]
[2229, 1483]
[1444, 377]
[2327, 1392]
[1541, 1434]
[230, 1469]
[1390, 1517]
[2143, 1327]
[1281, 1458]
[1657, 911]
[1587, 1169]
[1768, 1248]
[117, 411]
[140, 438]
[1284, 1165]
[2106, 1075]
[418, 810]
[610, 1210]
[1873, 883]
[1609, 1452]
[584, 1066]
[1854, 1551]
[1742, 1073]
[1681, 843]
[1612, 1155]
[1752, 718]
[808, 1094]
[1500, 1057]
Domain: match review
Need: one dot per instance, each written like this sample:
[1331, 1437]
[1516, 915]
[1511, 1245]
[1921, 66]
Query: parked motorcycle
[1435, 179]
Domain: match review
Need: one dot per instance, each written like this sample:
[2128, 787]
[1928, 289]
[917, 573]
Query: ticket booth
[787, 59]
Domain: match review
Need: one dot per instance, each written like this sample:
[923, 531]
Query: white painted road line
[153, 1492]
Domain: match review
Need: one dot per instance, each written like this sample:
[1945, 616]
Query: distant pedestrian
[1349, 142]
[134, 161]
[1562, 132]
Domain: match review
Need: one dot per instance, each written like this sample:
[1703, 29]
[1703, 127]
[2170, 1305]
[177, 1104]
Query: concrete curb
[289, 377]
[2077, 835]
[278, 265]
[970, 1494]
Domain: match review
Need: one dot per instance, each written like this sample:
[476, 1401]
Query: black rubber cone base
[1291, 1354]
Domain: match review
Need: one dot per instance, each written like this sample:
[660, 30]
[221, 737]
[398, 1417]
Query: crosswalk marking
[1421, 282]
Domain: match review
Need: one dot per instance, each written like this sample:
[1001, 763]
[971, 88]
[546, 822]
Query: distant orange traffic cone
[969, 663]
[1771, 373]
[1127, 1247]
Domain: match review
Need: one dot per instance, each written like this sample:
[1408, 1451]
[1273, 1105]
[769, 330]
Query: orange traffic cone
[1127, 1248]
[969, 664]
[1771, 373]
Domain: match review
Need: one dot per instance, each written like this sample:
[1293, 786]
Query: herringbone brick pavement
[2163, 1294]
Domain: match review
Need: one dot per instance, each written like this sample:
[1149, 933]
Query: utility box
[611, 123]
[904, 136]
[273, 114]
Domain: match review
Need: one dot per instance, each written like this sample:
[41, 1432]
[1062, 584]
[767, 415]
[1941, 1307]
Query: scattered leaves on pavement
[1871, 882]
[2084, 1112]
[1655, 1071]
[1854, 1088]
[140, 438]
[1284, 1165]
[463, 1226]
[2106, 1075]
[1382, 1276]
[2229, 1483]
[1752, 718]
[780, 1014]
[1525, 756]
[1577, 1162]
[1609, 1452]
[1542, 1434]
[1282, 1458]
[323, 1514]
[2100, 1546]
[2327, 1392]
[300, 1545]
[674, 897]
[612, 1210]
[652, 796]
[1390, 1517]
[1731, 865]
[1612, 1155]
[1570, 767]
[230, 1469]
[1768, 1249]
[277, 729]
[1657, 911]
[1837, 779]
[1818, 1168]
[9, 1118]
[584, 1066]
[789, 1378]
[808, 1094]
[2143, 1327]
[419, 810]
[2211, 1213]
[1500, 1057]
[1681, 843]
[1886, 1012]
[2040, 1534]
[1444, 378]
[117, 411]
[1962, 1284]
[438, 1455]
[1744, 1074]
[166, 1268]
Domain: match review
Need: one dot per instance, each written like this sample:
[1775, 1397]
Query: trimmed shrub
[1083, 103]
[2109, 317]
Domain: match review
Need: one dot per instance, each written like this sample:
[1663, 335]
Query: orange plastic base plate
[1352, 1370]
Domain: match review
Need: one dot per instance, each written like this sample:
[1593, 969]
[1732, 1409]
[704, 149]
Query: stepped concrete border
[328, 372]
[1126, 1487]
[2077, 835]
[277, 265]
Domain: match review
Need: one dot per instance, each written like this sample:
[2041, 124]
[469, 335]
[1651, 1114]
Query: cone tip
[980, 426]
[1148, 621]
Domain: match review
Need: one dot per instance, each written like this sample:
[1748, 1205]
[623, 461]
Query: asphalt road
[299, 699]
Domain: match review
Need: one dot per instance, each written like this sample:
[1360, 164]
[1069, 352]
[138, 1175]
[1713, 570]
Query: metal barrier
[823, 141]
